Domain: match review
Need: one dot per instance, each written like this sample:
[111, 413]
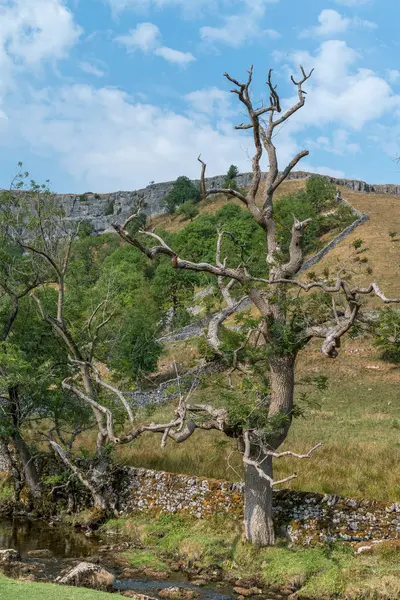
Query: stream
[68, 547]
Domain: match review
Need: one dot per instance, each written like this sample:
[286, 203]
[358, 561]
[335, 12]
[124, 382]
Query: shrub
[320, 192]
[388, 335]
[183, 191]
[188, 210]
[109, 210]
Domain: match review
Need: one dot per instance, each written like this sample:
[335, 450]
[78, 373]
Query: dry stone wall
[102, 210]
[306, 518]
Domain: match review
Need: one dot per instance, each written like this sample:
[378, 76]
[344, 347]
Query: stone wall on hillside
[307, 518]
[102, 210]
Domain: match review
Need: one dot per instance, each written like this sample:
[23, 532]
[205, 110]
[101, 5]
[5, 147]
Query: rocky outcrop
[102, 210]
[9, 556]
[88, 575]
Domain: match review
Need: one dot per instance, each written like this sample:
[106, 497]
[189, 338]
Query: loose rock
[8, 556]
[88, 575]
[178, 593]
[40, 553]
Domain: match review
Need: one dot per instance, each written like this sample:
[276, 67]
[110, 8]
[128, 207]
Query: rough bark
[24, 454]
[30, 472]
[258, 521]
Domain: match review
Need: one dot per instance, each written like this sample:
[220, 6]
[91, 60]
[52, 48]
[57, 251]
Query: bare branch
[203, 178]
[118, 393]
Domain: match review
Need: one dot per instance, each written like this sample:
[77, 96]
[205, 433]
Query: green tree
[230, 178]
[320, 192]
[182, 191]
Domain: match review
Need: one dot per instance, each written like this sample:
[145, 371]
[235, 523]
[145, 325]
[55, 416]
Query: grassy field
[318, 572]
[357, 420]
[11, 589]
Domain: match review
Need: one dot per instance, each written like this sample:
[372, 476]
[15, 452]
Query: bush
[109, 210]
[388, 335]
[320, 192]
[85, 229]
[183, 191]
[188, 210]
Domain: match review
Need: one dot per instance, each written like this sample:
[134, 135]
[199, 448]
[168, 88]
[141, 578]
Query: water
[149, 586]
[68, 546]
[26, 535]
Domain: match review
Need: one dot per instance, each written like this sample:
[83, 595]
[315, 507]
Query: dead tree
[270, 295]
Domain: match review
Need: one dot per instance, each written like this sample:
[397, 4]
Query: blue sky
[104, 95]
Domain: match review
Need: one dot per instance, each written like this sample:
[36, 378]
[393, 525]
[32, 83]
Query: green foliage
[341, 218]
[85, 229]
[388, 335]
[300, 206]
[188, 210]
[109, 209]
[182, 191]
[320, 192]
[230, 179]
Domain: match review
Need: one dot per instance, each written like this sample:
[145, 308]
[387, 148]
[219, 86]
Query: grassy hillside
[358, 419]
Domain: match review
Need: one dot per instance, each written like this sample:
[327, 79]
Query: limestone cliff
[101, 210]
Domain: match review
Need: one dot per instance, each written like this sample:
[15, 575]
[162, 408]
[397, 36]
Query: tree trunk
[29, 468]
[24, 454]
[259, 526]
[281, 380]
[258, 523]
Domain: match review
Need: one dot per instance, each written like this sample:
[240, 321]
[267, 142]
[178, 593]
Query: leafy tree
[182, 191]
[86, 325]
[230, 179]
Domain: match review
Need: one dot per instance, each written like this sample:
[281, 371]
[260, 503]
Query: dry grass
[358, 422]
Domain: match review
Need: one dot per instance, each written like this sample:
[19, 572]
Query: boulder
[178, 593]
[88, 575]
[368, 547]
[247, 592]
[44, 553]
[9, 556]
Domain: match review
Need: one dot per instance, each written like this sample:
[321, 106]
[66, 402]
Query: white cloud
[339, 94]
[91, 69]
[190, 8]
[272, 33]
[106, 140]
[240, 27]
[333, 23]
[147, 38]
[393, 75]
[322, 170]
[210, 102]
[338, 144]
[175, 56]
[31, 33]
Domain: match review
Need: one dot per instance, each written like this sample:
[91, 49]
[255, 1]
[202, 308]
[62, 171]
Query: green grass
[20, 590]
[357, 420]
[318, 572]
[141, 559]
